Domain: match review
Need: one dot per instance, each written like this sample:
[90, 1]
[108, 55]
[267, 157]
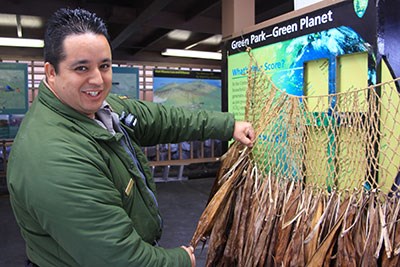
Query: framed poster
[188, 89]
[126, 81]
[13, 97]
[13, 88]
[191, 90]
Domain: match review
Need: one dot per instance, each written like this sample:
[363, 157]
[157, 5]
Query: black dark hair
[65, 22]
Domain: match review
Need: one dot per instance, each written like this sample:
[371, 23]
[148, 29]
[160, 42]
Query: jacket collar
[47, 98]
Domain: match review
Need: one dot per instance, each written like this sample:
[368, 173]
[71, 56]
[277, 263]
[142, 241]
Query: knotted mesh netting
[319, 187]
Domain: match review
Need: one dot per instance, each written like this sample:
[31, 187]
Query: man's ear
[50, 72]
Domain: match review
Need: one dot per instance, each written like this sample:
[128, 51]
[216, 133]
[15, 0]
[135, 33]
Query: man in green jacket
[79, 184]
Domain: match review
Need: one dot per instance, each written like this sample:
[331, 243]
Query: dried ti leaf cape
[318, 188]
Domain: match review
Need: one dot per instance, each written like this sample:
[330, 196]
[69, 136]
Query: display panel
[126, 82]
[283, 49]
[13, 88]
[188, 89]
[13, 97]
[327, 54]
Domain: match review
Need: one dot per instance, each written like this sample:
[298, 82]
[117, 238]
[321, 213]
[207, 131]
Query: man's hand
[190, 251]
[244, 133]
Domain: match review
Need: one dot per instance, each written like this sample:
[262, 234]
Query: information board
[283, 50]
[188, 89]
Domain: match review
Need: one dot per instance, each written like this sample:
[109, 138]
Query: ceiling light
[19, 26]
[192, 54]
[213, 40]
[179, 35]
[26, 21]
[21, 42]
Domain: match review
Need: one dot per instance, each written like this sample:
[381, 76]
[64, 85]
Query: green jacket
[68, 179]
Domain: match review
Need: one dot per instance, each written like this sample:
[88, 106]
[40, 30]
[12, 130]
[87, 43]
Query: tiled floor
[181, 204]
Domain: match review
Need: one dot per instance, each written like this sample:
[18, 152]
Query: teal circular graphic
[360, 6]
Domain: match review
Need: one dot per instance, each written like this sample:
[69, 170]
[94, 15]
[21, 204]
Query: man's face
[84, 77]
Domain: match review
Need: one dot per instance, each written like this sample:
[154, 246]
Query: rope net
[338, 142]
[320, 186]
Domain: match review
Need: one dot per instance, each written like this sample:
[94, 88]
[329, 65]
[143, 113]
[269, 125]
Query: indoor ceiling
[139, 30]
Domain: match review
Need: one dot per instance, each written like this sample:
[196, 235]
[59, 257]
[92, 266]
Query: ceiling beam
[153, 9]
[158, 59]
[150, 40]
[191, 21]
[202, 7]
[173, 21]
